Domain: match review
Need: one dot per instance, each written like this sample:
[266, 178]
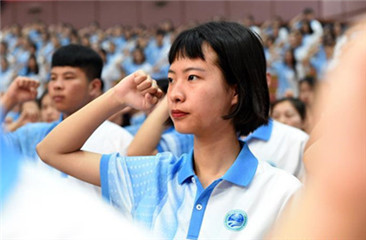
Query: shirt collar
[243, 169]
[187, 168]
[240, 173]
[262, 133]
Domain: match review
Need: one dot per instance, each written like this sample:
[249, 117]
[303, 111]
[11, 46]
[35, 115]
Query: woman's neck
[213, 156]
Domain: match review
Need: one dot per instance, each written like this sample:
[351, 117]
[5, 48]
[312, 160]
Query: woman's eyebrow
[194, 69]
[189, 69]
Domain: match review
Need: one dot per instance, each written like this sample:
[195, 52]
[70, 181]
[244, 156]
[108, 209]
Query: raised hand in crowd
[21, 90]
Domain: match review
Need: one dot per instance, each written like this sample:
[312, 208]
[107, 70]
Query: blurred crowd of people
[49, 73]
[298, 53]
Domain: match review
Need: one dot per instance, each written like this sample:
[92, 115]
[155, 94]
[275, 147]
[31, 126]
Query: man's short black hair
[75, 55]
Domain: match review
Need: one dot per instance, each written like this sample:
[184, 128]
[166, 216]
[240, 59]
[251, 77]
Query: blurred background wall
[108, 13]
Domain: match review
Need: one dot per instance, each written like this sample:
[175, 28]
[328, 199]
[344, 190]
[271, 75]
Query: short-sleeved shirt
[170, 141]
[163, 194]
[26, 138]
[107, 138]
[280, 145]
[175, 142]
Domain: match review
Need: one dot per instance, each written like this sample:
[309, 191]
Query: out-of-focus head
[75, 55]
[290, 111]
[75, 77]
[307, 90]
[138, 56]
[49, 112]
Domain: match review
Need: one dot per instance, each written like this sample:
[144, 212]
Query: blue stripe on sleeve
[104, 162]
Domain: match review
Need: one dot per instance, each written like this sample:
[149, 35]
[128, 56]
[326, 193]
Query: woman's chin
[182, 129]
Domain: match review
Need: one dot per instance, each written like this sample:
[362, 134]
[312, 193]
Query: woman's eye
[170, 80]
[192, 77]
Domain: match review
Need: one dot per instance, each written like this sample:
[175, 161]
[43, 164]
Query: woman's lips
[178, 114]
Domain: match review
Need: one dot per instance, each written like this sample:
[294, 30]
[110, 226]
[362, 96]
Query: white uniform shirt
[280, 145]
[108, 138]
[163, 194]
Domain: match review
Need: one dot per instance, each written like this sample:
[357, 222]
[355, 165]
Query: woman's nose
[176, 93]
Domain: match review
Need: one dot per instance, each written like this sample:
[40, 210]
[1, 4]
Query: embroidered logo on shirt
[236, 220]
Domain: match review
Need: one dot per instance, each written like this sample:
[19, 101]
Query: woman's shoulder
[276, 177]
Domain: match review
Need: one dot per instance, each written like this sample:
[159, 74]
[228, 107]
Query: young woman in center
[217, 91]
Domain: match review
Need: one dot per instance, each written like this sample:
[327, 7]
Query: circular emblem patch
[236, 220]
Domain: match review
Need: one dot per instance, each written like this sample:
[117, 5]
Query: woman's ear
[235, 95]
[269, 78]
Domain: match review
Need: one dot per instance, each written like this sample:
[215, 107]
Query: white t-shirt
[108, 138]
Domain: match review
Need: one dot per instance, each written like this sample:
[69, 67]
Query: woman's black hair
[36, 68]
[39, 100]
[309, 80]
[141, 50]
[240, 56]
[296, 103]
[306, 22]
[293, 61]
[75, 55]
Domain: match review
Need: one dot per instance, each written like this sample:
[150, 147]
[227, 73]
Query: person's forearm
[61, 147]
[149, 134]
[11, 127]
[73, 132]
[7, 104]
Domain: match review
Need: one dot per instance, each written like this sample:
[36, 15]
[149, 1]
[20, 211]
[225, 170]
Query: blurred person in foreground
[332, 203]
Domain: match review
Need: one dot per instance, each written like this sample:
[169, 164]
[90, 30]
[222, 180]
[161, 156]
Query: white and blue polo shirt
[163, 194]
[175, 142]
[281, 145]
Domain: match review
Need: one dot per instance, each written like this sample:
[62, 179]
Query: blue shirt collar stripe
[187, 168]
[262, 133]
[243, 169]
[240, 173]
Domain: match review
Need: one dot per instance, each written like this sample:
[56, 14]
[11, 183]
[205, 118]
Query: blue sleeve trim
[159, 148]
[104, 162]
